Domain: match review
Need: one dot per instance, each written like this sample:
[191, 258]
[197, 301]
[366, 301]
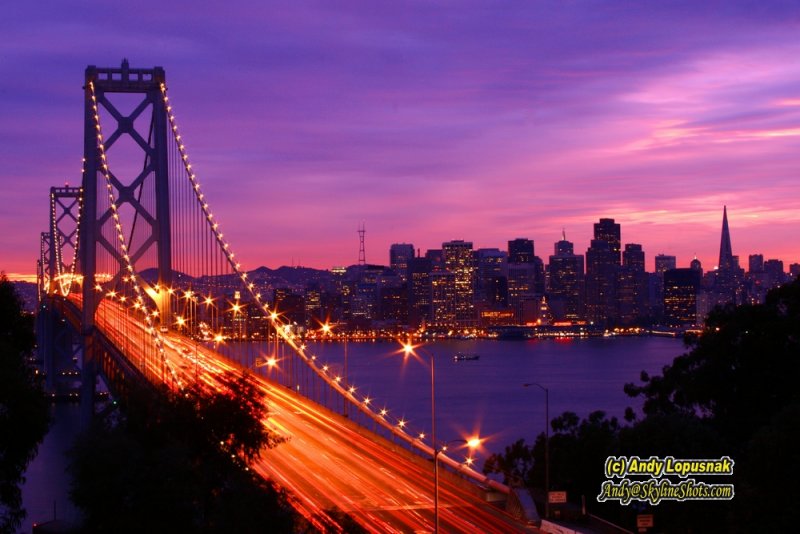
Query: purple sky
[432, 121]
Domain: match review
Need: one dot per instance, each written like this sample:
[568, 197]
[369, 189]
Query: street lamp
[546, 445]
[269, 363]
[326, 330]
[472, 444]
[409, 349]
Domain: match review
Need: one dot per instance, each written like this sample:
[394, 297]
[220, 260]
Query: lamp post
[345, 371]
[326, 331]
[472, 443]
[546, 446]
[269, 363]
[408, 348]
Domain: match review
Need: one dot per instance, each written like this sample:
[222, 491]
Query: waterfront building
[526, 279]
[312, 300]
[663, 263]
[394, 305]
[602, 265]
[365, 296]
[680, 296]
[521, 286]
[492, 274]
[290, 304]
[419, 291]
[490, 318]
[443, 299]
[631, 285]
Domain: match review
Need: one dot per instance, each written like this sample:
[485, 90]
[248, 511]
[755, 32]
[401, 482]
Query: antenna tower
[362, 254]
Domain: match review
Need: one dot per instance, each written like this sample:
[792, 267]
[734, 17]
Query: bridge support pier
[88, 379]
[57, 350]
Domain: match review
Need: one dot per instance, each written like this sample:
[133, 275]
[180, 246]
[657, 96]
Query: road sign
[644, 520]
[557, 497]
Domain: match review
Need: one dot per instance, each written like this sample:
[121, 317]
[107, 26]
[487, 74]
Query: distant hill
[281, 277]
[28, 294]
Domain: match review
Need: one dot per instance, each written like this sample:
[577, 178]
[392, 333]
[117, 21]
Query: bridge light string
[65, 281]
[334, 382]
[132, 275]
[77, 231]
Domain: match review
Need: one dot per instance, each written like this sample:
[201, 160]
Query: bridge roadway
[328, 462]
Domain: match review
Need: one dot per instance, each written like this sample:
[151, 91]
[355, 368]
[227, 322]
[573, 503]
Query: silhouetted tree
[739, 373]
[24, 414]
[515, 463]
[178, 463]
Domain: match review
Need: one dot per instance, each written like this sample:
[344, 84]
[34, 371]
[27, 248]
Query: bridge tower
[55, 338]
[135, 134]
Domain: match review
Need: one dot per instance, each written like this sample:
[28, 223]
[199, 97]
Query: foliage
[24, 412]
[515, 464]
[742, 371]
[766, 477]
[178, 463]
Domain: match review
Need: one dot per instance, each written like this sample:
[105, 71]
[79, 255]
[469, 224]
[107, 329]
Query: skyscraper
[729, 277]
[419, 291]
[633, 257]
[458, 259]
[443, 299]
[602, 264]
[521, 286]
[773, 269]
[756, 263]
[399, 256]
[664, 262]
[492, 277]
[526, 279]
[609, 231]
[631, 285]
[726, 262]
[435, 255]
[520, 250]
[566, 288]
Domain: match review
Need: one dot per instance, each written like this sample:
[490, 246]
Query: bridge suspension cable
[208, 297]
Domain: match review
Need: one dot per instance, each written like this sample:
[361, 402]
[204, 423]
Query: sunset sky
[431, 121]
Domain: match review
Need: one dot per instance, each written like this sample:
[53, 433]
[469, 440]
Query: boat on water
[461, 356]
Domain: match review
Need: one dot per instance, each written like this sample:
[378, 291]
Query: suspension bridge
[138, 285]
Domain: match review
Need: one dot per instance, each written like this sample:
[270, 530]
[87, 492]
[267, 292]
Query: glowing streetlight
[409, 349]
[269, 363]
[472, 443]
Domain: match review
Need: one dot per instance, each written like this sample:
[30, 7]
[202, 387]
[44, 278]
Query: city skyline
[430, 124]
